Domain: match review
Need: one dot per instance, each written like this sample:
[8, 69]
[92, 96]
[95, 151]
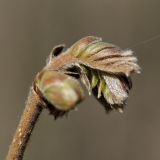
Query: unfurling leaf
[111, 90]
[92, 52]
[102, 67]
[105, 70]
[60, 90]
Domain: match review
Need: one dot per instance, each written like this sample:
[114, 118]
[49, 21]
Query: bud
[60, 90]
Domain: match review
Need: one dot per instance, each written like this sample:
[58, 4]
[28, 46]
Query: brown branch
[29, 118]
[33, 108]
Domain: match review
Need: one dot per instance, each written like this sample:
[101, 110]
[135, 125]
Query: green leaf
[94, 78]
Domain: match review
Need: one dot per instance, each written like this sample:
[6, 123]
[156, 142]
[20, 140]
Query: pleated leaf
[92, 52]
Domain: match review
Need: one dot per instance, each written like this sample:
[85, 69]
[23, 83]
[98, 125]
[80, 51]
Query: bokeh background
[28, 31]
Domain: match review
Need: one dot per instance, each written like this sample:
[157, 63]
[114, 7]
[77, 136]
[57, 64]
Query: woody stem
[28, 120]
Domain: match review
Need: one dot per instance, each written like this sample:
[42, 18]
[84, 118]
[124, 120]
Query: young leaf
[92, 52]
[103, 68]
[113, 89]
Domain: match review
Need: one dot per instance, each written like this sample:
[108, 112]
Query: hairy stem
[28, 120]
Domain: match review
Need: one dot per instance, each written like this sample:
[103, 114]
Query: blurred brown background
[28, 31]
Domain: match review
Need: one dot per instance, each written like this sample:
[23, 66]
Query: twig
[29, 118]
[60, 93]
[33, 108]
